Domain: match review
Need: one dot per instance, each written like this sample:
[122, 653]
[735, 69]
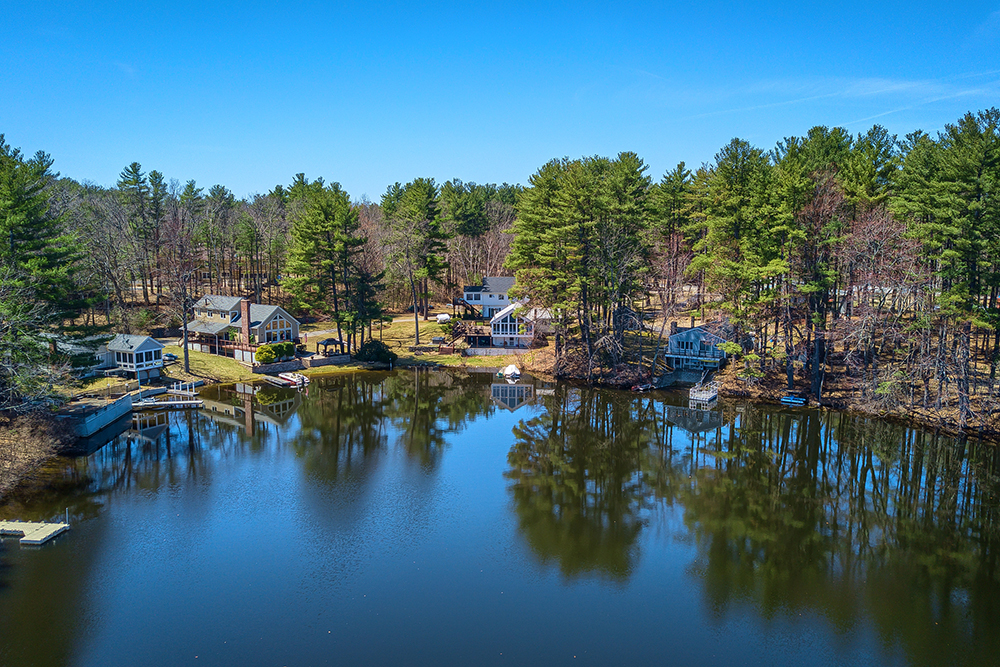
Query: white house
[140, 356]
[510, 330]
[490, 297]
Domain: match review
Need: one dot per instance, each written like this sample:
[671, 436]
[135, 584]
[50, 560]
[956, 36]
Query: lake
[426, 517]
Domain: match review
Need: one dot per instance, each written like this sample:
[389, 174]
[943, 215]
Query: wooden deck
[32, 533]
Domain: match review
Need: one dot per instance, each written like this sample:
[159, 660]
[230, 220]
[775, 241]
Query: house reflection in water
[511, 396]
[150, 425]
[695, 418]
[247, 405]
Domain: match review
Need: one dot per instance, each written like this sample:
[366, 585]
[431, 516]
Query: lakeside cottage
[233, 327]
[137, 356]
[696, 348]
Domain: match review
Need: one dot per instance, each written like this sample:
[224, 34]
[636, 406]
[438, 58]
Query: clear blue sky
[247, 95]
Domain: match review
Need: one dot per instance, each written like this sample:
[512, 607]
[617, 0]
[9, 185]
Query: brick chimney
[245, 320]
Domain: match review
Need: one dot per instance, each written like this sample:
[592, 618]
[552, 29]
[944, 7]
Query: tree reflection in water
[869, 524]
[857, 519]
[576, 481]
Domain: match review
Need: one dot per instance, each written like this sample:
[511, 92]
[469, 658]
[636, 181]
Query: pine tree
[34, 248]
[417, 240]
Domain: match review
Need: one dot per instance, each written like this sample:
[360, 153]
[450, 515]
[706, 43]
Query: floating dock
[32, 533]
[704, 393]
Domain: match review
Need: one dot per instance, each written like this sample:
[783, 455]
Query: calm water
[420, 518]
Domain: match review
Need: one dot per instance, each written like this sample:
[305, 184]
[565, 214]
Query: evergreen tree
[34, 247]
[322, 273]
[417, 240]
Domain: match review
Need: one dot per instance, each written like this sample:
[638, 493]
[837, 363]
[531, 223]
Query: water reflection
[426, 406]
[857, 519]
[576, 482]
[772, 514]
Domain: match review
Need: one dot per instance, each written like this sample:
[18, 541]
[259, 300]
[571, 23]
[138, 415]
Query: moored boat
[511, 372]
[294, 379]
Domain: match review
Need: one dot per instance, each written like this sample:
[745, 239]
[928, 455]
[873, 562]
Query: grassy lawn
[208, 367]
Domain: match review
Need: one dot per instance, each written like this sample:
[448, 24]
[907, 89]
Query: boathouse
[136, 356]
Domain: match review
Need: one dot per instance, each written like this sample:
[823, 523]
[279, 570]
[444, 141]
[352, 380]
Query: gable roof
[492, 285]
[259, 313]
[217, 302]
[505, 312]
[720, 328]
[132, 342]
[498, 284]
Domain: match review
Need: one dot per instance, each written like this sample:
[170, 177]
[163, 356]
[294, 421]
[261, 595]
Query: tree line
[876, 250]
[868, 250]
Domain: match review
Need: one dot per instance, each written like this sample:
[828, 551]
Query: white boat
[511, 372]
[294, 379]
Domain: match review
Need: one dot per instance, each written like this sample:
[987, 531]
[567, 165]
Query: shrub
[266, 354]
[285, 349]
[376, 350]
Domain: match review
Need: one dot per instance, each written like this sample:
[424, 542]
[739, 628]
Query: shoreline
[17, 473]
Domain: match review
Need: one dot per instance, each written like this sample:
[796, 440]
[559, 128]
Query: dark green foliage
[376, 350]
[33, 243]
[417, 240]
[581, 249]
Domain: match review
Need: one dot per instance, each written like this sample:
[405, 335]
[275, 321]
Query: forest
[869, 257]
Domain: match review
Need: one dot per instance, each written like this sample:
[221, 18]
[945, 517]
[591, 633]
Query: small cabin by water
[137, 356]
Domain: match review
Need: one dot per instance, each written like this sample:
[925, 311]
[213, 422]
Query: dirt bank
[27, 441]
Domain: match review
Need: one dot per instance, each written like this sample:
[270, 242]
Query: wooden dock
[32, 533]
[186, 389]
[151, 404]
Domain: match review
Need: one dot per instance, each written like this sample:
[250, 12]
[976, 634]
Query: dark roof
[130, 342]
[216, 302]
[492, 285]
[498, 284]
[721, 328]
[206, 327]
[259, 313]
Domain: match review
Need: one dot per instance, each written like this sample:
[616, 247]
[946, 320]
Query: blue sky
[248, 94]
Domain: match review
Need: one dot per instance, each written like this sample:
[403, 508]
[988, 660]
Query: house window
[501, 297]
[475, 297]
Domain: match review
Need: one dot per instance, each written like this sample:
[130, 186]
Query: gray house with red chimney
[233, 327]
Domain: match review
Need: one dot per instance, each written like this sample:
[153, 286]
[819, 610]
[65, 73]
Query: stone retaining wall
[314, 362]
[279, 367]
[299, 364]
[494, 351]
